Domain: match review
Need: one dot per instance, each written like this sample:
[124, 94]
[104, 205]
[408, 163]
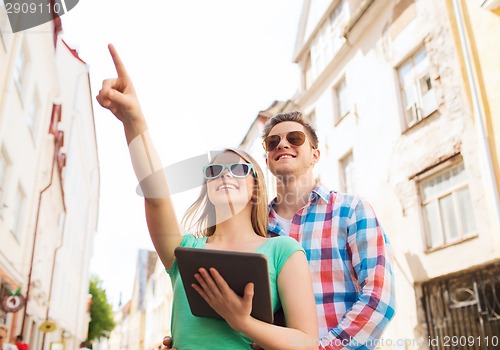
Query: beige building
[118, 339]
[143, 322]
[159, 296]
[136, 328]
[383, 82]
[49, 184]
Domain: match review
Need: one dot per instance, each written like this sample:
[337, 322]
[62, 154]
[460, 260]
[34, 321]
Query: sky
[202, 70]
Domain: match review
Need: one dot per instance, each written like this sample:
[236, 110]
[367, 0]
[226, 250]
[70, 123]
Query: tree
[101, 312]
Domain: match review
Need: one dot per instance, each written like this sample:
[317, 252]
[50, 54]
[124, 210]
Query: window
[311, 118]
[33, 114]
[348, 174]
[329, 39]
[308, 74]
[4, 168]
[340, 100]
[447, 207]
[321, 51]
[16, 212]
[465, 305]
[417, 89]
[337, 19]
[20, 73]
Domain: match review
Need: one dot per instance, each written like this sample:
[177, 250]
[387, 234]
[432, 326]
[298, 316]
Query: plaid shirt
[350, 260]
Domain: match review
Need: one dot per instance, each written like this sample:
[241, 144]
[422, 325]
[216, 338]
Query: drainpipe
[476, 105]
[52, 276]
[54, 160]
[56, 109]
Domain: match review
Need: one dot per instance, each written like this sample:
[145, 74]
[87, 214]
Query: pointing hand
[118, 94]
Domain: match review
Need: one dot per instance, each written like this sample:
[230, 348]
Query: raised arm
[119, 96]
[364, 323]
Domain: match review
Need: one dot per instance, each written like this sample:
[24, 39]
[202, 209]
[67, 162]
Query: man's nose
[283, 143]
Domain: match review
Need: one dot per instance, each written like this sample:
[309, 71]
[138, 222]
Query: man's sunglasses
[295, 138]
[239, 170]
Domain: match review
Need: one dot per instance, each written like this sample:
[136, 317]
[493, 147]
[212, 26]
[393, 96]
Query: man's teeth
[285, 156]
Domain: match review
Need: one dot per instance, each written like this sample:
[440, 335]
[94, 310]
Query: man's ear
[267, 161]
[315, 156]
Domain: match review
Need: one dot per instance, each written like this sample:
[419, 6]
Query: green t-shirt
[191, 332]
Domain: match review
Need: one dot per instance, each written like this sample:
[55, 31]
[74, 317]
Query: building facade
[144, 320]
[49, 185]
[385, 84]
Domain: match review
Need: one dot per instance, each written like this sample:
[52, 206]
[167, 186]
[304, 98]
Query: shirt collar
[320, 191]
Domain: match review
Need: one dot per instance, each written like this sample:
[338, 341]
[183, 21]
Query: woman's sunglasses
[295, 138]
[239, 170]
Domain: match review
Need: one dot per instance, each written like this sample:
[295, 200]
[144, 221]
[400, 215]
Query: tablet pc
[236, 268]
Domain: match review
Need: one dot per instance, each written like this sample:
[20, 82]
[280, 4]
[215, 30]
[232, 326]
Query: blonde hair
[201, 214]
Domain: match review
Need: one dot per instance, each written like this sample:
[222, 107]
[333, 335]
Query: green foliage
[101, 312]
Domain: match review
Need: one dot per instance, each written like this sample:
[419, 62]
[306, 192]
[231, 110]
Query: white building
[49, 180]
[383, 86]
[145, 320]
[81, 189]
[159, 296]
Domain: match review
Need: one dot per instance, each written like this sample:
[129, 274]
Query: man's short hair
[296, 117]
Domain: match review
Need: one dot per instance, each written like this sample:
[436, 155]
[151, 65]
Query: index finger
[120, 67]
[221, 282]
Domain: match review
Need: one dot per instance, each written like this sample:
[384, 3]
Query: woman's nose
[226, 173]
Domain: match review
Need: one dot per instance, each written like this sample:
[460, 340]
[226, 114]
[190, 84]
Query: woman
[232, 214]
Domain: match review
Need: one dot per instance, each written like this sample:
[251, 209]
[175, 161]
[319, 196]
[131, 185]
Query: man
[3, 339]
[20, 344]
[348, 252]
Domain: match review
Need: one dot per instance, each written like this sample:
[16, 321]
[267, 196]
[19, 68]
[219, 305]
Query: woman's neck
[235, 229]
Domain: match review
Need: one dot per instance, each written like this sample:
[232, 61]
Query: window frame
[343, 174]
[453, 190]
[33, 113]
[20, 74]
[328, 41]
[4, 181]
[338, 114]
[418, 110]
[16, 230]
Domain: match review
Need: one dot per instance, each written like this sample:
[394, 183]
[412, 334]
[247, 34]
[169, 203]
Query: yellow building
[476, 25]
